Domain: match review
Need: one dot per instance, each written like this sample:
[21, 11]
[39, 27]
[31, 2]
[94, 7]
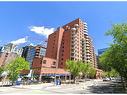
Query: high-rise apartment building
[9, 52]
[5, 58]
[71, 41]
[11, 48]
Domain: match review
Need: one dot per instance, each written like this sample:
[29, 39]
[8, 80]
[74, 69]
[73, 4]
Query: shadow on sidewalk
[107, 87]
[5, 85]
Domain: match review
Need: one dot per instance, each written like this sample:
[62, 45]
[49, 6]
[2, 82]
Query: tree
[91, 72]
[77, 67]
[116, 56]
[15, 67]
[87, 69]
[73, 67]
[1, 70]
[112, 73]
[84, 69]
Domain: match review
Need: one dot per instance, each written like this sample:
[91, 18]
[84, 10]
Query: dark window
[61, 58]
[53, 67]
[72, 58]
[44, 61]
[72, 45]
[72, 54]
[54, 63]
[61, 63]
[41, 62]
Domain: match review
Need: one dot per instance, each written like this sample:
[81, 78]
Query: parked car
[106, 79]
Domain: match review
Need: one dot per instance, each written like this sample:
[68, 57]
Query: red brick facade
[71, 42]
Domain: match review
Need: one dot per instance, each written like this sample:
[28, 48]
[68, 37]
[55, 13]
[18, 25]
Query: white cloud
[41, 30]
[20, 41]
[31, 44]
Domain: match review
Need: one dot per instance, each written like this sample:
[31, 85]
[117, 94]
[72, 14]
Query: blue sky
[17, 19]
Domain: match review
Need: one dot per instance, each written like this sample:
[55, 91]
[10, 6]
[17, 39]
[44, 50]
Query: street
[87, 87]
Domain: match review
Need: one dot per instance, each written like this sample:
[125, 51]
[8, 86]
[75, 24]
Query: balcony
[87, 45]
[87, 48]
[85, 23]
[87, 51]
[85, 28]
[85, 33]
[87, 39]
[76, 25]
[87, 42]
[88, 60]
[87, 36]
[88, 57]
[73, 29]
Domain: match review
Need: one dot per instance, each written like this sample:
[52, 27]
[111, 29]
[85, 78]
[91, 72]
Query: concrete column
[70, 78]
[40, 78]
[65, 78]
[55, 80]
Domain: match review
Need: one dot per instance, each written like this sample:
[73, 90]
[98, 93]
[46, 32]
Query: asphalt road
[87, 87]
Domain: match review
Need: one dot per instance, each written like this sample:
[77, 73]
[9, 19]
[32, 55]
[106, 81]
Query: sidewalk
[81, 85]
[34, 86]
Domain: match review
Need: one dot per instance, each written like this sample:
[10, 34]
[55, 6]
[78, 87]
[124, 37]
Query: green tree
[87, 69]
[84, 69]
[91, 72]
[15, 67]
[73, 67]
[77, 67]
[116, 56]
[1, 70]
[112, 73]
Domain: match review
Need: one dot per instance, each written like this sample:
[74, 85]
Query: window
[72, 54]
[53, 67]
[72, 58]
[44, 61]
[41, 62]
[61, 63]
[54, 63]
